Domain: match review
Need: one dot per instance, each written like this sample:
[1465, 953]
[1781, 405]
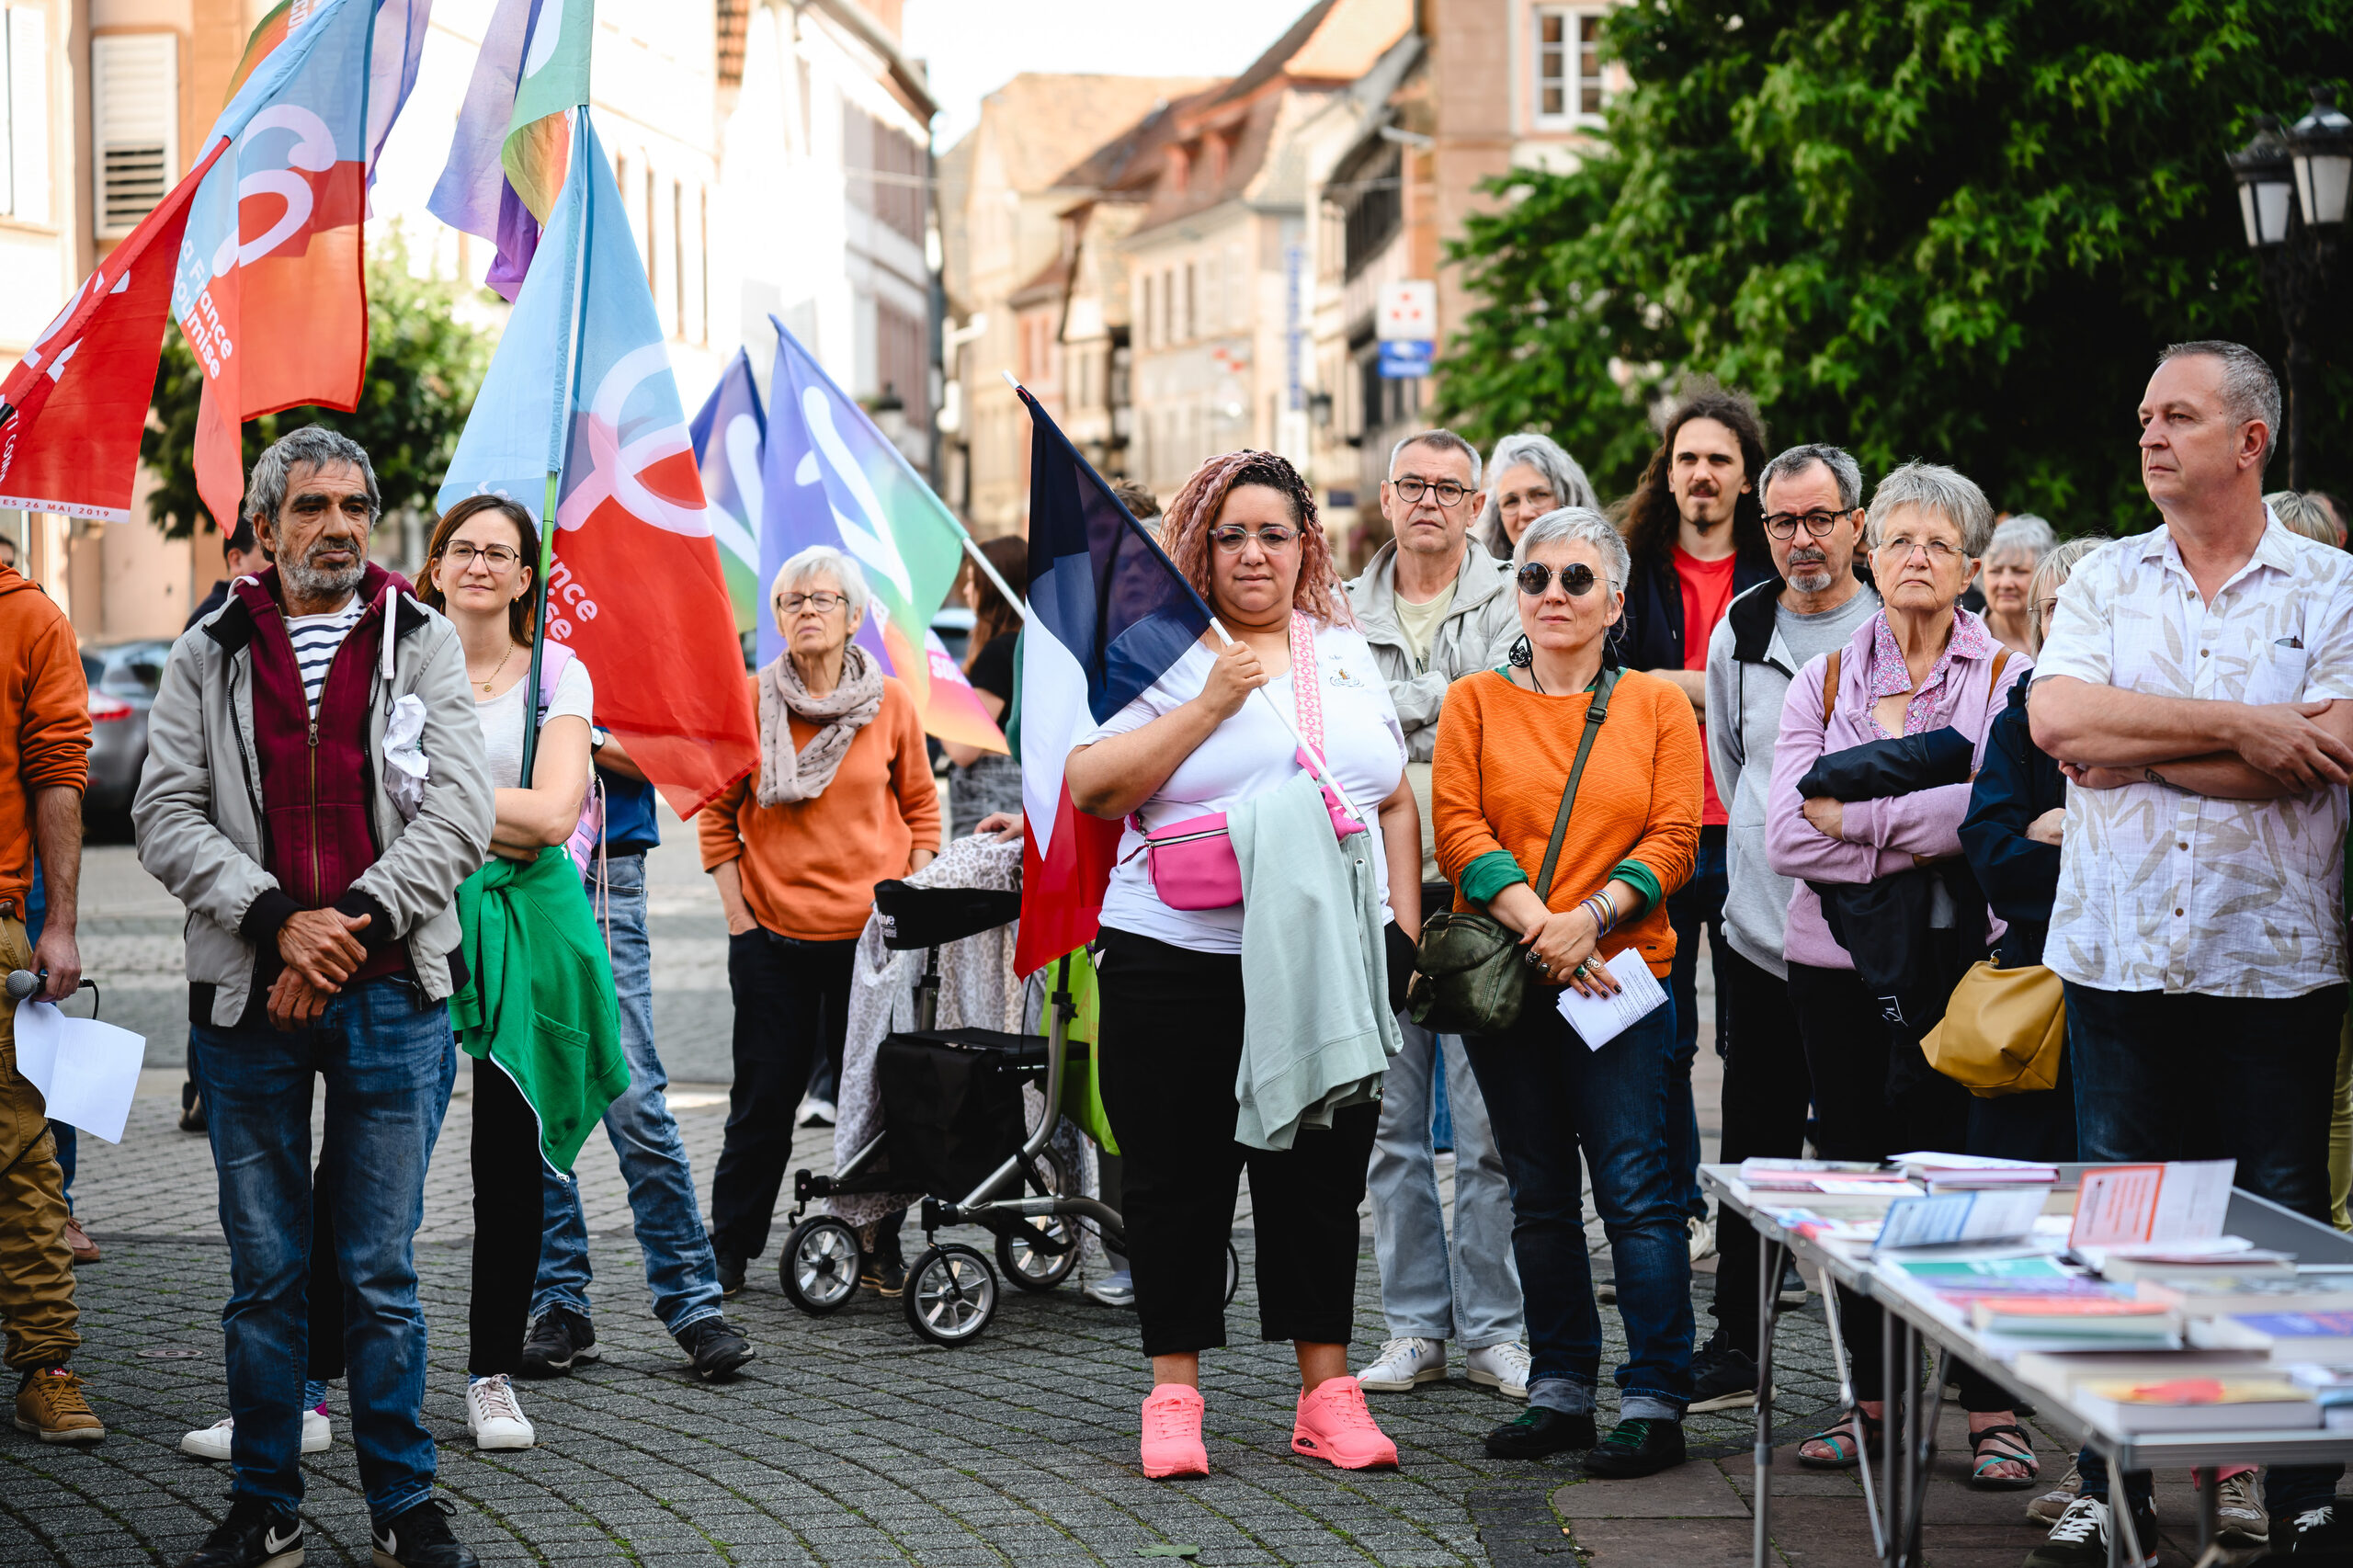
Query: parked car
[123, 677]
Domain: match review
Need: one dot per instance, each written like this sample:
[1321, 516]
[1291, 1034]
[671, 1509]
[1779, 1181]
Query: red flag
[78, 399]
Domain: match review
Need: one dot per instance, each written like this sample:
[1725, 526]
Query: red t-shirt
[1707, 593]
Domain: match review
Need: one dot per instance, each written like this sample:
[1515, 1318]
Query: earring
[1522, 655]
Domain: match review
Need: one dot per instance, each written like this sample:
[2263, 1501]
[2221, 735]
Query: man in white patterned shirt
[2194, 687]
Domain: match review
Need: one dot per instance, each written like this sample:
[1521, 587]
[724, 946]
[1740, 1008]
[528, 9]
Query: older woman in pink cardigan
[1921, 664]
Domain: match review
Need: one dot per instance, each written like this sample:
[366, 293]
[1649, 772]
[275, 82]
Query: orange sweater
[810, 867]
[1503, 757]
[44, 720]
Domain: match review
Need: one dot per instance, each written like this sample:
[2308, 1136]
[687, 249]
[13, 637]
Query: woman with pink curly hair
[1243, 531]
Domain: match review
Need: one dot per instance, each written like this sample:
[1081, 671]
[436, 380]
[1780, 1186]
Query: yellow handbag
[2002, 1031]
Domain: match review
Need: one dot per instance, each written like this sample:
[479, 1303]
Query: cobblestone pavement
[848, 1441]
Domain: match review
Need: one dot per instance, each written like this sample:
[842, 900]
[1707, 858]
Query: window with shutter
[134, 123]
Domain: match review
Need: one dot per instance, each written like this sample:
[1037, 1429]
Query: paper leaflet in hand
[407, 768]
[1600, 1019]
[85, 1069]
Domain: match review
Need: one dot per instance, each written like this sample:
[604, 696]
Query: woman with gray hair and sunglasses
[1528, 476]
[1510, 742]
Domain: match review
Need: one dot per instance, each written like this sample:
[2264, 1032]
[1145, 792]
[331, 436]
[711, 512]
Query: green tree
[425, 364]
[1957, 230]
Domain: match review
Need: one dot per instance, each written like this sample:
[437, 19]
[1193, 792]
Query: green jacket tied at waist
[540, 1000]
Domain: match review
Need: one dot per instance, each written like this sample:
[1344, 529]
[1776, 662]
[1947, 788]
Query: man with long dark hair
[1696, 530]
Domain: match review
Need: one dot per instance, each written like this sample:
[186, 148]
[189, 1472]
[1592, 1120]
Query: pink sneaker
[1172, 1432]
[1335, 1424]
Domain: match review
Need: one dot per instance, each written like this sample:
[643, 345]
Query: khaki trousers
[36, 1266]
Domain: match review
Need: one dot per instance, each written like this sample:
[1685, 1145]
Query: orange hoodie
[44, 720]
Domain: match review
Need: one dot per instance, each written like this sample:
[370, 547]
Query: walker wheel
[1232, 1273]
[819, 1265]
[1038, 1254]
[950, 1294]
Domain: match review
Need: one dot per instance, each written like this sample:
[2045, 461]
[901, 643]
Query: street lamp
[2292, 189]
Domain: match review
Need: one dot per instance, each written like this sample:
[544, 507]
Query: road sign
[1401, 360]
[1405, 310]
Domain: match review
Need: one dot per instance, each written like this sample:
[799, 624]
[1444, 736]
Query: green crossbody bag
[1470, 976]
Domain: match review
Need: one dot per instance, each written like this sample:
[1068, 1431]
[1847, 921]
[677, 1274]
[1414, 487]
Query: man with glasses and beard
[1813, 522]
[1696, 532]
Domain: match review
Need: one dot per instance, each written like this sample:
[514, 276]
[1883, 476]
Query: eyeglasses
[1411, 491]
[823, 603]
[1231, 536]
[1576, 579]
[497, 557]
[1784, 525]
[1535, 496]
[1939, 553]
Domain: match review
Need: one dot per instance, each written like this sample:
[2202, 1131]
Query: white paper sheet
[1600, 1019]
[86, 1071]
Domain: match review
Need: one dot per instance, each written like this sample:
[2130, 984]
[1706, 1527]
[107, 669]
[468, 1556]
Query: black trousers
[791, 1007]
[509, 1223]
[1767, 1089]
[1846, 1048]
[325, 1354]
[1172, 1044]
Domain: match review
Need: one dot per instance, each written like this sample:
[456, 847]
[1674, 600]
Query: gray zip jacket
[199, 808]
[1477, 634]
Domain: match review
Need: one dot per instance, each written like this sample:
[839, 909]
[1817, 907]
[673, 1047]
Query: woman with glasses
[1922, 664]
[843, 799]
[2019, 544]
[1507, 741]
[1207, 737]
[1528, 476]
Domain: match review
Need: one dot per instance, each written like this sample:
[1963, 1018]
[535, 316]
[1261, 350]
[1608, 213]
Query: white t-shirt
[503, 717]
[1247, 754]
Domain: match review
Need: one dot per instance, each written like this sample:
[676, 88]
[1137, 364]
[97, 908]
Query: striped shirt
[315, 638]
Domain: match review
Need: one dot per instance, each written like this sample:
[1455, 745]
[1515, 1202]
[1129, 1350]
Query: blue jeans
[679, 1268]
[1697, 905]
[1465, 1290]
[388, 1059]
[1548, 1096]
[2192, 1077]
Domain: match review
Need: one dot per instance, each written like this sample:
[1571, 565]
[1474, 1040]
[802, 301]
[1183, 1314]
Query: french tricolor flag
[1109, 615]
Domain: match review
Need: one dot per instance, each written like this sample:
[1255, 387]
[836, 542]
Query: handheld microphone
[23, 983]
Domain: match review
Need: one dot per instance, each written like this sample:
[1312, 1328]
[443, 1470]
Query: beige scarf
[787, 775]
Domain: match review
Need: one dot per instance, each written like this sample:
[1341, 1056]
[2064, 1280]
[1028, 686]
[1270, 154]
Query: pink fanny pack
[1192, 863]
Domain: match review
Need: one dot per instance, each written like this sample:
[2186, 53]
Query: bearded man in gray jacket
[320, 882]
[1435, 607]
[1814, 523]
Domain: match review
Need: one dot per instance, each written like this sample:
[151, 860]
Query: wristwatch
[598, 736]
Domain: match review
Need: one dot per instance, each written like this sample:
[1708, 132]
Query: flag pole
[560, 450]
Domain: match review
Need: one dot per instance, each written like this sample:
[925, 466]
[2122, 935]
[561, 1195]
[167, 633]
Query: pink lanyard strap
[1306, 688]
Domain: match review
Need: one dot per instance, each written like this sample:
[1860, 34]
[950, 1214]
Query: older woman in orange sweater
[1506, 747]
[843, 799]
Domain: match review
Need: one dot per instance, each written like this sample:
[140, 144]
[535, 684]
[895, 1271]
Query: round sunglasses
[1576, 579]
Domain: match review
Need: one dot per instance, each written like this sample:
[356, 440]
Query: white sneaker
[1503, 1367]
[212, 1442]
[495, 1416]
[1115, 1289]
[1703, 1237]
[815, 1112]
[1405, 1363]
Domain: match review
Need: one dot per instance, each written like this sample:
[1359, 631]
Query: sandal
[1987, 1455]
[1841, 1437]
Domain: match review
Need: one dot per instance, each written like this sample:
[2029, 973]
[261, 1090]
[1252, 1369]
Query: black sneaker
[419, 1537]
[1793, 1288]
[1539, 1431]
[192, 1108]
[1636, 1447]
[2080, 1538]
[1721, 1378]
[2321, 1529]
[716, 1349]
[731, 1271]
[885, 1270]
[559, 1338]
[255, 1535]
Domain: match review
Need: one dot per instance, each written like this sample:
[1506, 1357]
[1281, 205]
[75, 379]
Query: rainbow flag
[512, 144]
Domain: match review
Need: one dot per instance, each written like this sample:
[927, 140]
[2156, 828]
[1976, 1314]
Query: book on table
[2198, 1403]
[2229, 1295]
[2289, 1336]
[2058, 1372]
[2091, 1319]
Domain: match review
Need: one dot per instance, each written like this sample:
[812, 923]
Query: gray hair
[823, 560]
[2024, 534]
[1796, 460]
[1571, 525]
[1445, 442]
[2249, 389]
[312, 443]
[2302, 515]
[2050, 572]
[1567, 481]
[1936, 488]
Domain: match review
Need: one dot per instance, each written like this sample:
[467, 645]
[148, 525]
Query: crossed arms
[2104, 738]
